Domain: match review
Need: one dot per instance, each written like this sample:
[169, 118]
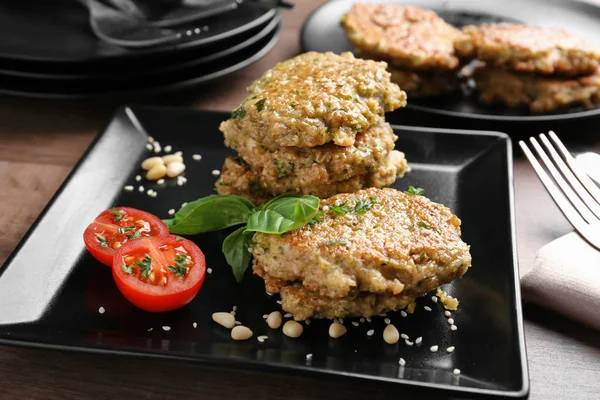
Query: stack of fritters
[372, 252]
[314, 125]
[417, 44]
[529, 66]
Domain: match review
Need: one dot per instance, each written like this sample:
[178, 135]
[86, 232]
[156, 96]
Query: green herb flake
[180, 266]
[362, 206]
[124, 229]
[334, 242]
[178, 239]
[239, 112]
[422, 224]
[317, 218]
[260, 105]
[127, 269]
[101, 240]
[136, 235]
[422, 256]
[145, 265]
[117, 215]
[340, 209]
[412, 191]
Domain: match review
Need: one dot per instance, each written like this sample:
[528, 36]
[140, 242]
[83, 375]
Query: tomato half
[159, 273]
[115, 227]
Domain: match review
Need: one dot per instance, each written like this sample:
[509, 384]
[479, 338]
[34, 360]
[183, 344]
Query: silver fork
[571, 189]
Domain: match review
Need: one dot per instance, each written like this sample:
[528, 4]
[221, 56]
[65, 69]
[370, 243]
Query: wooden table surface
[40, 141]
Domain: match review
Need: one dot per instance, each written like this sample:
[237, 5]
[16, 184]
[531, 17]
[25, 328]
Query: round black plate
[177, 80]
[58, 31]
[119, 69]
[323, 32]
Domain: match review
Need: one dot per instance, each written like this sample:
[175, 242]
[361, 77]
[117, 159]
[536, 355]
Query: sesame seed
[149, 192]
[101, 310]
[154, 194]
[141, 189]
[149, 146]
[362, 319]
[403, 313]
[157, 149]
[171, 211]
[408, 342]
[150, 139]
[160, 181]
[168, 149]
[404, 336]
[341, 320]
[197, 157]
[450, 349]
[197, 31]
[419, 340]
[195, 325]
[456, 371]
[368, 319]
[265, 316]
[260, 339]
[387, 321]
[309, 356]
[232, 313]
[433, 349]
[166, 328]
[288, 315]
[370, 332]
[128, 188]
[434, 299]
[182, 178]
[355, 323]
[149, 330]
[179, 153]
[216, 172]
[234, 308]
[453, 327]
[325, 208]
[205, 28]
[307, 322]
[180, 183]
[209, 270]
[263, 337]
[447, 313]
[183, 205]
[278, 301]
[382, 315]
[451, 321]
[427, 308]
[268, 294]
[238, 323]
[138, 178]
[401, 361]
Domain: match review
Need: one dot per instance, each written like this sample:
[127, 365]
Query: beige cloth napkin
[566, 278]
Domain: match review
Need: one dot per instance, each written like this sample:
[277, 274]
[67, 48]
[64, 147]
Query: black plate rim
[163, 50]
[456, 114]
[128, 110]
[162, 89]
[268, 28]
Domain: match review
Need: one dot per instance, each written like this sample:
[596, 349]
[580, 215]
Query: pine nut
[274, 320]
[172, 158]
[224, 319]
[156, 172]
[241, 332]
[148, 163]
[175, 168]
[337, 330]
[390, 334]
[292, 329]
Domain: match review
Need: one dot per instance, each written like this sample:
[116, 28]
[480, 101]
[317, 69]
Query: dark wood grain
[40, 141]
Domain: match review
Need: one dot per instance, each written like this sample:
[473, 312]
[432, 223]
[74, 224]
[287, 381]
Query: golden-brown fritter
[316, 98]
[404, 36]
[425, 83]
[539, 93]
[528, 48]
[238, 177]
[374, 251]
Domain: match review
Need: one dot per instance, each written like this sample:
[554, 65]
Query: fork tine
[561, 201]
[583, 177]
[564, 186]
[581, 191]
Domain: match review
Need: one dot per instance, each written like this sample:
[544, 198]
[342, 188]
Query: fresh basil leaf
[210, 213]
[283, 214]
[413, 191]
[269, 221]
[235, 249]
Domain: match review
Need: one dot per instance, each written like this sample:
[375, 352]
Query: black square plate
[51, 288]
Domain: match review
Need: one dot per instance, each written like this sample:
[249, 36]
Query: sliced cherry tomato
[159, 273]
[115, 227]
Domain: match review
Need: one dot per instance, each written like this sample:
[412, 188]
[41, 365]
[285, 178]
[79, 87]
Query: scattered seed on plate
[278, 301]
[216, 172]
[171, 211]
[337, 330]
[450, 349]
[433, 348]
[355, 323]
[157, 149]
[307, 322]
[402, 362]
[209, 270]
[382, 315]
[183, 205]
[232, 312]
[419, 340]
[160, 181]
[166, 328]
[149, 192]
[197, 157]
[447, 313]
[274, 320]
[387, 321]
[408, 343]
[149, 330]
[453, 327]
[434, 299]
[362, 319]
[368, 319]
[149, 146]
[168, 149]
[456, 371]
[224, 319]
[292, 329]
[179, 153]
[262, 338]
[141, 189]
[238, 323]
[390, 334]
[370, 332]
[150, 139]
[241, 332]
[154, 194]
[101, 310]
[195, 325]
[128, 188]
[309, 356]
[265, 316]
[404, 336]
[234, 308]
[138, 178]
[288, 315]
[451, 321]
[427, 308]
[403, 313]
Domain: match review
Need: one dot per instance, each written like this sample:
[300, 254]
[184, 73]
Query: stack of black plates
[48, 50]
